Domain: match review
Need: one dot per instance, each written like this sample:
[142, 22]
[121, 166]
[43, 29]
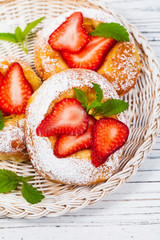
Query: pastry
[59, 131]
[121, 67]
[55, 51]
[18, 82]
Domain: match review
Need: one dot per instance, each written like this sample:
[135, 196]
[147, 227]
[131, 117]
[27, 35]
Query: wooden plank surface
[132, 212]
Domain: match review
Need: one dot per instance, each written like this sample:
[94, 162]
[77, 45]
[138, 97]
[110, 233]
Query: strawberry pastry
[88, 39]
[17, 83]
[75, 127]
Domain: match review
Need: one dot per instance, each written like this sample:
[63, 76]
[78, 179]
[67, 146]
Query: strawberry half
[70, 35]
[109, 135]
[67, 118]
[67, 145]
[1, 81]
[1, 78]
[15, 90]
[91, 56]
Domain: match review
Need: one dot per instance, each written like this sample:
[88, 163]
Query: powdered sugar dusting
[11, 134]
[7, 60]
[71, 169]
[122, 68]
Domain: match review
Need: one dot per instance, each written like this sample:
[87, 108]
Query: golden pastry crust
[12, 139]
[47, 60]
[77, 168]
[121, 66]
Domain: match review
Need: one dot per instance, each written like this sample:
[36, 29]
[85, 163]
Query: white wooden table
[133, 212]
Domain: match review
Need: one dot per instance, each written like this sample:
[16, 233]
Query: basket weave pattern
[143, 113]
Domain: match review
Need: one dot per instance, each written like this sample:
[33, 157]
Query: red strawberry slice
[70, 35]
[91, 56]
[1, 81]
[67, 118]
[15, 90]
[109, 135]
[67, 145]
[1, 78]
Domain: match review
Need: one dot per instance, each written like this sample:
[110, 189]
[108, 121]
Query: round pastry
[121, 67]
[18, 82]
[50, 143]
[54, 51]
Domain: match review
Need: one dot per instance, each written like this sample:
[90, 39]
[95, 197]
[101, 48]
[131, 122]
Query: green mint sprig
[1, 121]
[99, 97]
[106, 109]
[110, 107]
[9, 181]
[82, 98]
[19, 37]
[99, 92]
[111, 30]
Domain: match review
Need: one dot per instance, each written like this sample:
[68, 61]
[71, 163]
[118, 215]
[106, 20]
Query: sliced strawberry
[91, 56]
[1, 78]
[70, 35]
[67, 118]
[109, 135]
[1, 81]
[67, 145]
[15, 90]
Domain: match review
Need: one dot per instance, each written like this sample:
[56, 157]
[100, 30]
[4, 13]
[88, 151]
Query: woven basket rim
[17, 210]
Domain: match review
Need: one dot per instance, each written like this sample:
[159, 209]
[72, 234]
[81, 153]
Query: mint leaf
[94, 104]
[8, 181]
[31, 25]
[111, 107]
[106, 109]
[111, 30]
[31, 194]
[26, 178]
[82, 98]
[19, 34]
[99, 92]
[1, 121]
[10, 37]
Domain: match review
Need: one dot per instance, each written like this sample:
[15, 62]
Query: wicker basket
[144, 113]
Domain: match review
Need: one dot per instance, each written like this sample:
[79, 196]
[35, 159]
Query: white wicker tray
[144, 115]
